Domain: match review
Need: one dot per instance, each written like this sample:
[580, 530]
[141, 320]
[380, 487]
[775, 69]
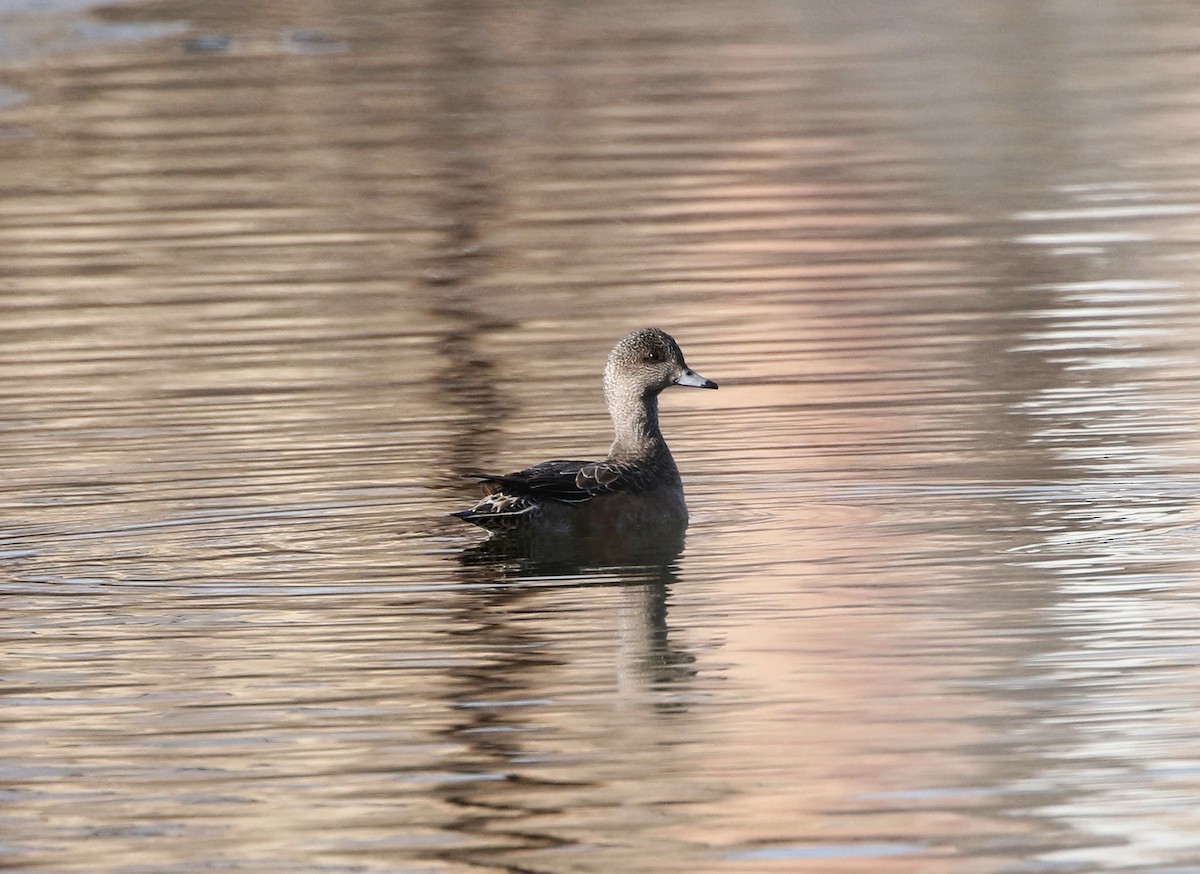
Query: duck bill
[695, 380]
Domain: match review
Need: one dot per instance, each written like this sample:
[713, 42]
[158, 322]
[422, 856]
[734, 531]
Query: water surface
[274, 276]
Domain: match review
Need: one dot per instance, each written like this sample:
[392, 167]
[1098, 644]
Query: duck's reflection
[650, 546]
[643, 563]
[577, 641]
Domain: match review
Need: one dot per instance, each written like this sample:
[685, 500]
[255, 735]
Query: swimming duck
[638, 483]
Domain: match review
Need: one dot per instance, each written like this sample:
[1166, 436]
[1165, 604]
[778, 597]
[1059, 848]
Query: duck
[635, 488]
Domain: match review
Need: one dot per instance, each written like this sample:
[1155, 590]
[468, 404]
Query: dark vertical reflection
[489, 722]
[492, 717]
[458, 123]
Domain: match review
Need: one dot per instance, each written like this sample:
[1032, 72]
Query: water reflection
[654, 545]
[272, 281]
[512, 781]
[643, 564]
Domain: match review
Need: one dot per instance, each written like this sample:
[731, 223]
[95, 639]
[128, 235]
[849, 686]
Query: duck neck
[635, 420]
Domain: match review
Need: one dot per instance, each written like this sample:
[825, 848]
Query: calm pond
[274, 275]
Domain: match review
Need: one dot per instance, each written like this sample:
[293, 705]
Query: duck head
[645, 362]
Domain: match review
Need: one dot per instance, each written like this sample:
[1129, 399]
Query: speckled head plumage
[646, 361]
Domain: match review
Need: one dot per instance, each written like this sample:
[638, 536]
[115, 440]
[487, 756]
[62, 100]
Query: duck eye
[653, 357]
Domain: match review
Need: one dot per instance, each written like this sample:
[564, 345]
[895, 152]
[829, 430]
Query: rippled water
[274, 275]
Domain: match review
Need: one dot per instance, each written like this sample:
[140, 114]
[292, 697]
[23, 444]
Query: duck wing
[572, 482]
[552, 480]
[600, 477]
